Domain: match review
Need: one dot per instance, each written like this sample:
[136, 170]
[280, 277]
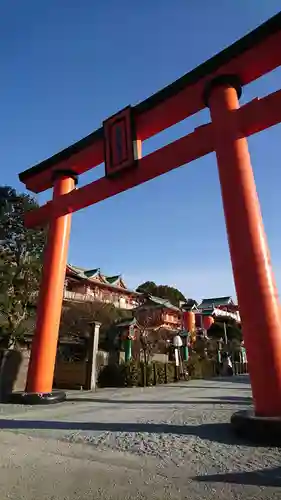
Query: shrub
[149, 374]
[170, 372]
[111, 376]
[133, 374]
[199, 367]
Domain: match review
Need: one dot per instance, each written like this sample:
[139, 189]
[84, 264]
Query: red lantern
[208, 322]
[189, 321]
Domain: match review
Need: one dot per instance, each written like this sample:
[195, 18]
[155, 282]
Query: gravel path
[167, 442]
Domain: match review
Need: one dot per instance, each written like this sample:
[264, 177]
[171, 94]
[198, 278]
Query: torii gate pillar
[253, 276]
[44, 347]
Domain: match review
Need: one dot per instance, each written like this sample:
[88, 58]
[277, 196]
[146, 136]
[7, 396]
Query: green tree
[77, 317]
[163, 291]
[233, 330]
[148, 287]
[21, 252]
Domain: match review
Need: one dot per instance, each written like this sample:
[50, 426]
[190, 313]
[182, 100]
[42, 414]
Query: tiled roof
[215, 302]
[162, 302]
[113, 279]
[127, 322]
[75, 268]
[96, 275]
[190, 305]
[90, 273]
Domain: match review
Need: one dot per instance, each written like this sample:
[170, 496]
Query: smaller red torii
[217, 84]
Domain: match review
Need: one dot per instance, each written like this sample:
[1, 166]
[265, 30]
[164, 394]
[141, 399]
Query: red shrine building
[156, 312]
[217, 307]
[201, 317]
[91, 285]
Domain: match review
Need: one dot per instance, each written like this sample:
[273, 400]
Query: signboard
[122, 149]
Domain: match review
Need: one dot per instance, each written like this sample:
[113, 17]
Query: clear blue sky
[67, 65]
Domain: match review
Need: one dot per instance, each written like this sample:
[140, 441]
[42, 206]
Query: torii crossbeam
[217, 84]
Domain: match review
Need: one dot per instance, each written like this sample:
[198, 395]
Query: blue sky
[68, 65]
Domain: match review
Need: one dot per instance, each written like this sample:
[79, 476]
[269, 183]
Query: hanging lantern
[186, 353]
[208, 321]
[189, 321]
[132, 335]
[243, 355]
[128, 350]
[177, 341]
[129, 334]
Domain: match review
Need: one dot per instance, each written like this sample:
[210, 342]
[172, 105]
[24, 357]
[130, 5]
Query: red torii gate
[218, 84]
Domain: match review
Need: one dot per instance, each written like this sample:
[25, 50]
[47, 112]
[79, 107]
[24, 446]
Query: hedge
[139, 374]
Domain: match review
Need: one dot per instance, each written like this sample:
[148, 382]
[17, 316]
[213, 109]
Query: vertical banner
[122, 148]
[177, 358]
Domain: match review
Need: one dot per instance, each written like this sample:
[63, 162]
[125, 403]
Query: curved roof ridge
[92, 272]
[113, 279]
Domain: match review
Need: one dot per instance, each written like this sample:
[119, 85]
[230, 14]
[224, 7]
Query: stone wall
[74, 375]
[70, 375]
[13, 370]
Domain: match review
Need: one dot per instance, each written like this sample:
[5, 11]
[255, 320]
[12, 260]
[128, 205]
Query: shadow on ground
[263, 477]
[206, 387]
[227, 400]
[217, 432]
[236, 379]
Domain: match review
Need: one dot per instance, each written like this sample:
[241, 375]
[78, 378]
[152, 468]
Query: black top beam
[253, 38]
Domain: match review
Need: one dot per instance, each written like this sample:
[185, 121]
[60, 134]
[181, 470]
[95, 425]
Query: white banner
[177, 357]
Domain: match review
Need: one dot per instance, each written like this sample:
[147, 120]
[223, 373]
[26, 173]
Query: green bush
[111, 376]
[199, 367]
[171, 372]
[208, 368]
[148, 369]
[134, 374]
[159, 373]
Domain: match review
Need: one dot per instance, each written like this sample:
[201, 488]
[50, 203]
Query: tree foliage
[233, 330]
[163, 291]
[151, 341]
[21, 252]
[77, 317]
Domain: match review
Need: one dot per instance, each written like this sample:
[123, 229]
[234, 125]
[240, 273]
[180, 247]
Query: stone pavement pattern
[168, 442]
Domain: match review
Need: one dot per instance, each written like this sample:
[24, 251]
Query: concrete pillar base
[265, 431]
[37, 398]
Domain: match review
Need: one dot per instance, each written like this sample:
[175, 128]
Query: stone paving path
[165, 442]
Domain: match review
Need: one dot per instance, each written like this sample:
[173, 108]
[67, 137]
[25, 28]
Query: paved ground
[169, 442]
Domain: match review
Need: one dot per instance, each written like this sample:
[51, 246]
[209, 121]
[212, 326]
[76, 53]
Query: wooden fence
[70, 375]
[240, 368]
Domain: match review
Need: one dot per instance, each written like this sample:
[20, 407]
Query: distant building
[217, 307]
[158, 312]
[90, 285]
